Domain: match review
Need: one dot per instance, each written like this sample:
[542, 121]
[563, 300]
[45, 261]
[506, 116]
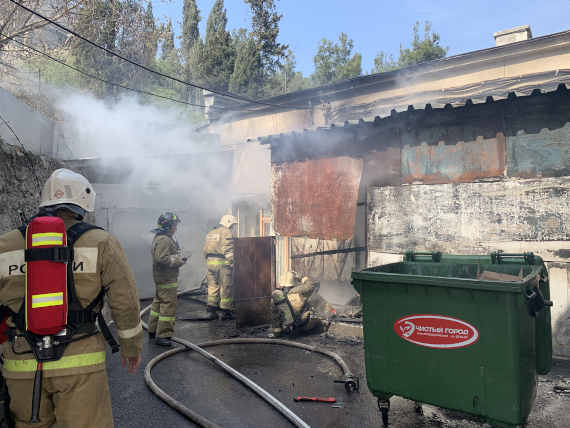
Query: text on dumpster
[436, 331]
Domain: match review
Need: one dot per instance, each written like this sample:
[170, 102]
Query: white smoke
[150, 159]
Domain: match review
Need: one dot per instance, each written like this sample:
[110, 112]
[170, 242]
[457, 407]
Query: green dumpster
[467, 333]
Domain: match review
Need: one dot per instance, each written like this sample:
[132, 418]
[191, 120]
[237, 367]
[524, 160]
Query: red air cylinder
[46, 280]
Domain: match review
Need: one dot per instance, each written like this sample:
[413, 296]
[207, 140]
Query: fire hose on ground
[350, 381]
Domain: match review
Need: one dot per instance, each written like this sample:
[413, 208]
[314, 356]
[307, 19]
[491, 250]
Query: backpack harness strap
[77, 316]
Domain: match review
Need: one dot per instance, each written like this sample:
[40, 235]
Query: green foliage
[335, 61]
[422, 50]
[167, 41]
[287, 79]
[150, 35]
[98, 21]
[218, 57]
[265, 29]
[190, 31]
[247, 77]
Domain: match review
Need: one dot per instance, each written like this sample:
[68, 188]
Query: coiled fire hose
[349, 379]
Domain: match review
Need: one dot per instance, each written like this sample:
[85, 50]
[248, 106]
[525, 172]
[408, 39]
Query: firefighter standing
[297, 306]
[75, 391]
[166, 262]
[219, 255]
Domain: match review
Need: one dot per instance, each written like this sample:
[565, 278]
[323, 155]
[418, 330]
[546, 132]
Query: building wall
[504, 193]
[36, 132]
[537, 63]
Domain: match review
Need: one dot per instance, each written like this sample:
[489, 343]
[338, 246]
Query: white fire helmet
[67, 187]
[228, 220]
[289, 279]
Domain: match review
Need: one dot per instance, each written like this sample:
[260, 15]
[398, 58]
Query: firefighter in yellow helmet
[219, 255]
[75, 391]
[298, 307]
[166, 262]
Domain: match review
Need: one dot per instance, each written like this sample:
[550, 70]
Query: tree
[265, 29]
[424, 50]
[190, 31]
[218, 56]
[16, 22]
[287, 79]
[150, 36]
[190, 37]
[98, 21]
[335, 61]
[167, 41]
[247, 77]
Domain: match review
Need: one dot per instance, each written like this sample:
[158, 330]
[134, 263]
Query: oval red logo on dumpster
[436, 331]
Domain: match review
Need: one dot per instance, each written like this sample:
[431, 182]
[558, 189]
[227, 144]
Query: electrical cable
[99, 78]
[30, 161]
[150, 70]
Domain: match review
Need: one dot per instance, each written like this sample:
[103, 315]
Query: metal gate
[254, 280]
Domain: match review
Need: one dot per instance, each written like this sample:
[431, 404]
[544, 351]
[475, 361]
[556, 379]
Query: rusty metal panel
[316, 198]
[383, 168]
[546, 154]
[460, 162]
[254, 280]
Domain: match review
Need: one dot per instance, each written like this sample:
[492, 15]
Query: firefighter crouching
[298, 307]
[166, 263]
[219, 255]
[74, 389]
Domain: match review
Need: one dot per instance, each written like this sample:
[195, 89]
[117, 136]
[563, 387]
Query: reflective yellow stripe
[69, 362]
[45, 300]
[153, 314]
[48, 238]
[170, 285]
[163, 318]
[227, 300]
[130, 332]
[217, 262]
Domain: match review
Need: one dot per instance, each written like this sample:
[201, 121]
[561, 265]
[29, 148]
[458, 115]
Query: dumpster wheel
[384, 407]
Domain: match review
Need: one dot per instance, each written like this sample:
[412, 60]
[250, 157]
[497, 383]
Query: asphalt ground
[285, 373]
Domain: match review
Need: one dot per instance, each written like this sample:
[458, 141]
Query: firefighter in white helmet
[298, 307]
[75, 391]
[219, 255]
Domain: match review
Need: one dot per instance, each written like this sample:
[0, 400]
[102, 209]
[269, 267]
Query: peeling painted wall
[316, 199]
[460, 217]
[477, 218]
[461, 162]
[545, 154]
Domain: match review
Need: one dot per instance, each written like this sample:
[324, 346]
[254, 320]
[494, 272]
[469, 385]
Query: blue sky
[378, 25]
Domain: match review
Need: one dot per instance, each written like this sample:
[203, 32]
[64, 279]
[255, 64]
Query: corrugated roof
[450, 101]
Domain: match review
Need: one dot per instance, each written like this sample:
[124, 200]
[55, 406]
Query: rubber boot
[163, 341]
[211, 313]
[227, 315]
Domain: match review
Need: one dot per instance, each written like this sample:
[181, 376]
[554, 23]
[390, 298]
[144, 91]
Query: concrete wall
[517, 201]
[22, 175]
[36, 131]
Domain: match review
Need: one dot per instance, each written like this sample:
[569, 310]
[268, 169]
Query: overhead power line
[117, 85]
[150, 70]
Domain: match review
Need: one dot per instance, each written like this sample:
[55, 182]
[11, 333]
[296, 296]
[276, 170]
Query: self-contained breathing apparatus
[52, 316]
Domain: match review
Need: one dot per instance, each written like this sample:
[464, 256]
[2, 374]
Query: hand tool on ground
[317, 399]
